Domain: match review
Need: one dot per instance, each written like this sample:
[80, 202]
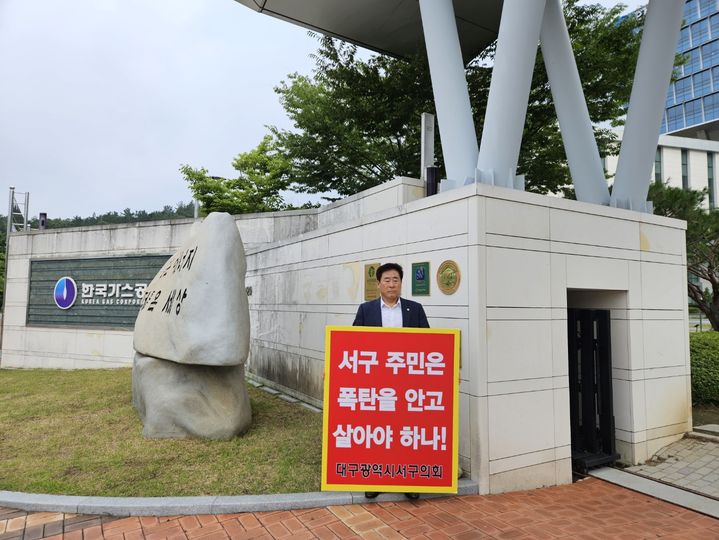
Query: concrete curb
[702, 435]
[183, 506]
[659, 490]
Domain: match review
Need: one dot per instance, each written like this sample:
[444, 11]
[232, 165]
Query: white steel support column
[509, 91]
[449, 84]
[641, 134]
[585, 164]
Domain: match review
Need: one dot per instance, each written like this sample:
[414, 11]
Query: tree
[180, 210]
[702, 243]
[356, 121]
[264, 172]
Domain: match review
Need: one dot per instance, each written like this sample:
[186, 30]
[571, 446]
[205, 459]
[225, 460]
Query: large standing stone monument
[192, 339]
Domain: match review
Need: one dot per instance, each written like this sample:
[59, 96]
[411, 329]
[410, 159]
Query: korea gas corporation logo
[65, 292]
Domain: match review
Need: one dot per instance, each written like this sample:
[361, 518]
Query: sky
[101, 101]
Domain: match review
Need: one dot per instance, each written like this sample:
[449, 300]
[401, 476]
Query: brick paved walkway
[590, 510]
[688, 463]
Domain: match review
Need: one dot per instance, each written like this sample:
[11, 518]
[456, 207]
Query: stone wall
[524, 259]
[71, 348]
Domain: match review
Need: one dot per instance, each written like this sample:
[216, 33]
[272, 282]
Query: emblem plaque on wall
[371, 291]
[420, 279]
[448, 277]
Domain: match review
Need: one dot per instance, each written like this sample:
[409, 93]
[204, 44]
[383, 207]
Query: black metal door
[590, 389]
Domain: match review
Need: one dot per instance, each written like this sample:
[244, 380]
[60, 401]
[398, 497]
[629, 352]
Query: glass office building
[692, 107]
[688, 151]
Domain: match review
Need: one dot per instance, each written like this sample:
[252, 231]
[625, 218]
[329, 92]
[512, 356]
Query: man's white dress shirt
[391, 316]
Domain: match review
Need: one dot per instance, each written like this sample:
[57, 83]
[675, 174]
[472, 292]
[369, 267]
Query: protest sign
[390, 409]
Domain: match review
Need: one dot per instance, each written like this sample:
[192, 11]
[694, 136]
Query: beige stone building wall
[525, 259]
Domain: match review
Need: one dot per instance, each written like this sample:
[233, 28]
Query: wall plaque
[371, 291]
[94, 292]
[448, 277]
[420, 279]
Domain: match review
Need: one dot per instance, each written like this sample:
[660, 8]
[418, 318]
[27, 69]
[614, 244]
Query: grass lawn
[76, 433]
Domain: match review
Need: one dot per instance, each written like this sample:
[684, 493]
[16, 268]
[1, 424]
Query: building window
[711, 107]
[658, 166]
[710, 179]
[683, 89]
[700, 32]
[684, 40]
[691, 13]
[675, 118]
[693, 112]
[710, 54]
[714, 24]
[694, 62]
[708, 7]
[702, 83]
[685, 169]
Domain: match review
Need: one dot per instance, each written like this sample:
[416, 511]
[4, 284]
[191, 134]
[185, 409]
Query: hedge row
[705, 366]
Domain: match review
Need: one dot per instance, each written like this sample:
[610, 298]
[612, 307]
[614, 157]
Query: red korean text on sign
[390, 409]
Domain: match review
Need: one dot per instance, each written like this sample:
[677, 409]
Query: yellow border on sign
[455, 413]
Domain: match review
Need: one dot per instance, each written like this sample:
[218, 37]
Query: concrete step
[708, 429]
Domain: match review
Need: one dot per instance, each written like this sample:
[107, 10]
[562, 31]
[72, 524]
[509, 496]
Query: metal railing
[17, 212]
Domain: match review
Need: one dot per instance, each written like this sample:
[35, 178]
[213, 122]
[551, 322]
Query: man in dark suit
[391, 311]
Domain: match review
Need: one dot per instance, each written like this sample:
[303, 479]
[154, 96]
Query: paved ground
[591, 509]
[688, 463]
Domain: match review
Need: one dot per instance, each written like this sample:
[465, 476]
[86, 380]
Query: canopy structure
[452, 32]
[391, 27]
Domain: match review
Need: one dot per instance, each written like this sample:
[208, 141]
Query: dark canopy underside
[391, 27]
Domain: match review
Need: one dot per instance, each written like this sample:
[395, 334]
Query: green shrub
[704, 348]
